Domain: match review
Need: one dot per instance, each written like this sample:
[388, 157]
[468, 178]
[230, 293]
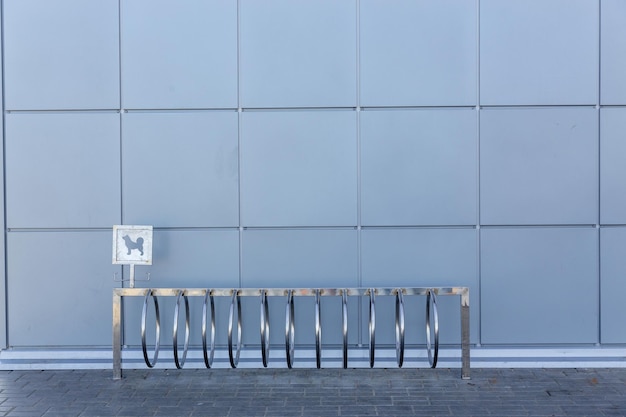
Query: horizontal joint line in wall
[424, 107]
[535, 106]
[108, 229]
[299, 227]
[537, 226]
[58, 229]
[199, 229]
[182, 110]
[286, 109]
[432, 226]
[60, 111]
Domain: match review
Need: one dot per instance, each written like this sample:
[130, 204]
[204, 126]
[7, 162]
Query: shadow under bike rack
[234, 349]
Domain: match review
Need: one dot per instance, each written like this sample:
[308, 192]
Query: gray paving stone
[312, 392]
[357, 410]
[248, 411]
[99, 411]
[320, 411]
[388, 410]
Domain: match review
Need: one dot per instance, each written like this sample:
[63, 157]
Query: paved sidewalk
[312, 392]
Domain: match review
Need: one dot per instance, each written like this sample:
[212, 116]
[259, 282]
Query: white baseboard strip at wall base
[481, 357]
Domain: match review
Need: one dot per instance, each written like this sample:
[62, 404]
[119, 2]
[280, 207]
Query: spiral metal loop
[318, 329]
[235, 303]
[157, 343]
[208, 306]
[235, 316]
[180, 362]
[399, 328]
[372, 326]
[431, 301]
[265, 329]
[289, 330]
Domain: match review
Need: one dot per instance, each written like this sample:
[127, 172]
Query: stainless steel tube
[208, 307]
[157, 343]
[234, 304]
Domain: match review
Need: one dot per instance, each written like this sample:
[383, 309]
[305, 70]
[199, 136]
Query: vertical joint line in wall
[478, 54]
[598, 105]
[358, 54]
[240, 257]
[119, 49]
[4, 187]
[359, 268]
[478, 208]
[240, 228]
[239, 55]
[478, 113]
[121, 169]
[119, 63]
[599, 159]
[358, 138]
[599, 85]
[239, 114]
[358, 163]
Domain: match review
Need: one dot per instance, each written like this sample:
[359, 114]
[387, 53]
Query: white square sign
[132, 245]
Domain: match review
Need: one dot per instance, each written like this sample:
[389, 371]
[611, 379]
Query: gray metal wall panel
[298, 54]
[613, 52]
[3, 275]
[59, 288]
[613, 167]
[63, 170]
[418, 167]
[190, 179]
[539, 52]
[539, 166]
[186, 259]
[418, 53]
[613, 285]
[314, 258]
[295, 258]
[539, 285]
[423, 258]
[298, 168]
[179, 55]
[71, 60]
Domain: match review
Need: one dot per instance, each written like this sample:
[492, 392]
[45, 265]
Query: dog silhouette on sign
[130, 245]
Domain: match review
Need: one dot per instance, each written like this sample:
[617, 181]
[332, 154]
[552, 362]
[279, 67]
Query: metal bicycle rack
[234, 321]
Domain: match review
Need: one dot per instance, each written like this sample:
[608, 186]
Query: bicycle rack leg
[344, 321]
[318, 329]
[117, 336]
[289, 330]
[465, 335]
[372, 326]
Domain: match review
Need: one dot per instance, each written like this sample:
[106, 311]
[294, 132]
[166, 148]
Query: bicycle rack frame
[432, 345]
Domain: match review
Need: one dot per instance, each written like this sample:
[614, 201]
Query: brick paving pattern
[313, 392]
